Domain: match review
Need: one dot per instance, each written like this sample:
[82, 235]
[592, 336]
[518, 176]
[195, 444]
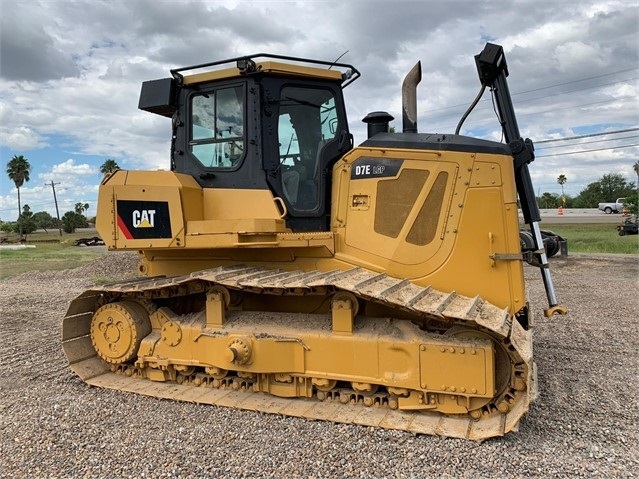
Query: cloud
[21, 138]
[70, 72]
[69, 170]
[28, 51]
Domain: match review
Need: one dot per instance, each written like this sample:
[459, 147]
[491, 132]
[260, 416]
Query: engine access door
[399, 211]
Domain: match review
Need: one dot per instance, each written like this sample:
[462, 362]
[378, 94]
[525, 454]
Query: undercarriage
[346, 346]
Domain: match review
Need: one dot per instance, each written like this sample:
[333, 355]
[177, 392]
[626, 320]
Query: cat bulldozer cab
[270, 125]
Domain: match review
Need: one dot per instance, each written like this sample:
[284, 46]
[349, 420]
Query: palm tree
[18, 170]
[108, 167]
[80, 208]
[636, 168]
[561, 179]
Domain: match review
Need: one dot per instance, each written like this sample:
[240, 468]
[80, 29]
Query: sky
[71, 71]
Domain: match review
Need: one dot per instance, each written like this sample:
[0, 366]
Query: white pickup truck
[615, 207]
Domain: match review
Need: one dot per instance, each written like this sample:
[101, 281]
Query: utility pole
[57, 212]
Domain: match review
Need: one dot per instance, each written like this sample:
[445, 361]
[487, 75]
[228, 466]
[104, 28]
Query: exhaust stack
[409, 99]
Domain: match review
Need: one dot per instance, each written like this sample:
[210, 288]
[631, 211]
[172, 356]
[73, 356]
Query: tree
[608, 188]
[18, 169]
[108, 167]
[72, 220]
[80, 208]
[590, 196]
[8, 226]
[44, 220]
[549, 200]
[26, 224]
[613, 186]
[633, 203]
[561, 179]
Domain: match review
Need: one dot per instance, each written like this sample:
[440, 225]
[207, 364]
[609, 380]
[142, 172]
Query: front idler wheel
[117, 330]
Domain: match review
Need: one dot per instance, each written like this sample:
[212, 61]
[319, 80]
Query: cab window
[307, 121]
[217, 127]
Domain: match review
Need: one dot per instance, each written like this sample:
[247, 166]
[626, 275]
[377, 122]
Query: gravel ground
[584, 424]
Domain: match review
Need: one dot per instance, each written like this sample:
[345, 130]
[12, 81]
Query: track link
[433, 308]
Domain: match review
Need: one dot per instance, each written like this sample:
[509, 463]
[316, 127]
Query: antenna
[337, 59]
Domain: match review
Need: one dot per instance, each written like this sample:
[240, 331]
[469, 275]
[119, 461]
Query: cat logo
[143, 218]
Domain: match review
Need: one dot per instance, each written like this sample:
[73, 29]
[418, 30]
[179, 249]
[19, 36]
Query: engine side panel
[447, 219]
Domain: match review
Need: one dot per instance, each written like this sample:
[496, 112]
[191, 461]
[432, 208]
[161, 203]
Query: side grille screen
[425, 227]
[396, 198]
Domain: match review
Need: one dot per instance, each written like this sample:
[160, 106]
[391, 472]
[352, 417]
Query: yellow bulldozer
[287, 271]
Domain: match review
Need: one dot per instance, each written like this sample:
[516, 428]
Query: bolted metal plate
[461, 367]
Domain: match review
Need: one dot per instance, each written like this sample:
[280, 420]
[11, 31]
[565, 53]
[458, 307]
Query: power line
[33, 206]
[553, 86]
[588, 151]
[577, 81]
[587, 142]
[579, 106]
[566, 92]
[485, 119]
[586, 136]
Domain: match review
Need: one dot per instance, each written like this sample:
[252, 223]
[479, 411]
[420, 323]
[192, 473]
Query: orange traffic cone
[560, 211]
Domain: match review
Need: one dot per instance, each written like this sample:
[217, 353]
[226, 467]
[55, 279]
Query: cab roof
[270, 64]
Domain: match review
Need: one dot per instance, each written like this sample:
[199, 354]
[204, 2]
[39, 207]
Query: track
[434, 309]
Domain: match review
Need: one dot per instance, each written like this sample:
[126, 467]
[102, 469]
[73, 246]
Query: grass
[594, 238]
[48, 256]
